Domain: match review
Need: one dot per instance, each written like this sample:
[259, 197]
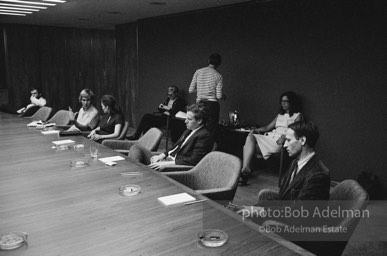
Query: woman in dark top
[111, 122]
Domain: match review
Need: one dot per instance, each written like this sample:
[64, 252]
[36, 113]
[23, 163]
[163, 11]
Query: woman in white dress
[273, 137]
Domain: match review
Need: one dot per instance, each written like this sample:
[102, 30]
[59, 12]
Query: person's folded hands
[157, 165]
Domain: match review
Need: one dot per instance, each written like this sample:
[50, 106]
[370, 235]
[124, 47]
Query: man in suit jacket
[192, 146]
[170, 107]
[307, 177]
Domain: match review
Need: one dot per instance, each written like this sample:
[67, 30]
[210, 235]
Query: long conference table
[78, 211]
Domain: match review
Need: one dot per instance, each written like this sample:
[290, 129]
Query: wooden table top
[78, 211]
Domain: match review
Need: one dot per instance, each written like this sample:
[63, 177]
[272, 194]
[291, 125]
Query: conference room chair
[42, 114]
[60, 118]
[349, 196]
[215, 176]
[150, 140]
[179, 168]
[30, 111]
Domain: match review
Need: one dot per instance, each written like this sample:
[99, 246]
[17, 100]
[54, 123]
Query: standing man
[208, 84]
[36, 99]
[86, 114]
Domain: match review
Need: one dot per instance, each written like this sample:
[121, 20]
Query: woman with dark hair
[111, 122]
[273, 137]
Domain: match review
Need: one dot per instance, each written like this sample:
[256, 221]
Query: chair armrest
[181, 177]
[122, 151]
[119, 144]
[213, 190]
[175, 168]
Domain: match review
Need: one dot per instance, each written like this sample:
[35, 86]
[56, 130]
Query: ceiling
[105, 14]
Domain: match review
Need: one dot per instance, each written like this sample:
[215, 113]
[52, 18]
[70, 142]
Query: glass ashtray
[12, 240]
[78, 163]
[62, 147]
[212, 237]
[129, 190]
[79, 146]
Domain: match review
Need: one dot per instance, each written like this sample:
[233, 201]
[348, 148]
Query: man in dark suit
[192, 146]
[307, 177]
[169, 108]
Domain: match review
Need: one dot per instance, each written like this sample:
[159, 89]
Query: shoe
[243, 180]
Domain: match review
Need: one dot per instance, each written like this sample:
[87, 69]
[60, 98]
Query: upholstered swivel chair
[348, 195]
[42, 114]
[150, 140]
[179, 168]
[60, 118]
[215, 176]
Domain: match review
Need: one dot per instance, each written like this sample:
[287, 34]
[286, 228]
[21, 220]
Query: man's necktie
[180, 144]
[294, 171]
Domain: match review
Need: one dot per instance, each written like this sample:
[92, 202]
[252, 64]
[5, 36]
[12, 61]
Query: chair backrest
[42, 114]
[30, 111]
[60, 118]
[124, 130]
[355, 198]
[216, 170]
[151, 139]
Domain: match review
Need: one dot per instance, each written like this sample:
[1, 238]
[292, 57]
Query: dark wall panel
[61, 61]
[333, 53]
[127, 71]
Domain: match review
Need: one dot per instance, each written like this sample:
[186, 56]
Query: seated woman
[86, 114]
[111, 122]
[264, 145]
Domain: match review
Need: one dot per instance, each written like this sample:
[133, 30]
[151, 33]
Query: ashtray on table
[212, 237]
[78, 163]
[12, 240]
[129, 190]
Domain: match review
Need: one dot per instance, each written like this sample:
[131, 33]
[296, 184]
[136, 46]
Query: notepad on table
[50, 132]
[63, 142]
[176, 199]
[111, 159]
[33, 124]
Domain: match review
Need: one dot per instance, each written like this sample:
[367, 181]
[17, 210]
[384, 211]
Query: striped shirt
[208, 83]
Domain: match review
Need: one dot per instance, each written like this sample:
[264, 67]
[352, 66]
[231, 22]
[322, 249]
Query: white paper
[50, 132]
[176, 199]
[32, 124]
[181, 114]
[62, 142]
[111, 159]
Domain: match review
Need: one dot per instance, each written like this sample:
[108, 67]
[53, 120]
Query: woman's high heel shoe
[243, 179]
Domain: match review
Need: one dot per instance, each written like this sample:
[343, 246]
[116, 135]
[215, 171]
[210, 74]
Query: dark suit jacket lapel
[191, 138]
[300, 175]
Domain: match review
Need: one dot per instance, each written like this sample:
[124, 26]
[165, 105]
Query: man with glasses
[87, 115]
[170, 107]
[37, 101]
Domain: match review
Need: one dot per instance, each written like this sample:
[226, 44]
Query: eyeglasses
[284, 101]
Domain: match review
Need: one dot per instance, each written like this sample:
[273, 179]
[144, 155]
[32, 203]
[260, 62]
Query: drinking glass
[94, 151]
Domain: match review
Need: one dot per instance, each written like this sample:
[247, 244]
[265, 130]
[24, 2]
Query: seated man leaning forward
[192, 146]
[36, 101]
[86, 114]
[306, 179]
